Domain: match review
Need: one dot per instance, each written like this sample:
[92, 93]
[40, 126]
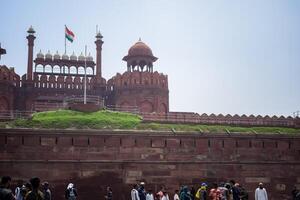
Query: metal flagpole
[84, 96]
[65, 41]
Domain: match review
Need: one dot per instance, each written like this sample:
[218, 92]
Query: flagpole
[84, 96]
[65, 41]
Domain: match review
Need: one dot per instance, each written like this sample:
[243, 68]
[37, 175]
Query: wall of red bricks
[235, 120]
[96, 159]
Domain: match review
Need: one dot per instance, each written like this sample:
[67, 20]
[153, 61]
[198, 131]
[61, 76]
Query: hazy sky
[236, 57]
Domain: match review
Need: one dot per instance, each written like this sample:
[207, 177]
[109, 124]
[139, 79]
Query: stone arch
[56, 69]
[146, 107]
[39, 68]
[73, 70]
[48, 68]
[163, 108]
[89, 71]
[4, 105]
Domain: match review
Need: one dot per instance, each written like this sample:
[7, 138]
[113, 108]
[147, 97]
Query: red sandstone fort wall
[95, 159]
[235, 120]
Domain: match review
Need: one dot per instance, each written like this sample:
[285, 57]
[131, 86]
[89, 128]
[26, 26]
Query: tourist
[26, 189]
[185, 194]
[71, 192]
[165, 195]
[160, 194]
[46, 191]
[235, 190]
[149, 195]
[243, 193]
[109, 194]
[202, 193]
[35, 193]
[176, 196]
[214, 193]
[228, 186]
[261, 192]
[5, 192]
[192, 192]
[296, 193]
[224, 192]
[134, 193]
[18, 190]
[142, 191]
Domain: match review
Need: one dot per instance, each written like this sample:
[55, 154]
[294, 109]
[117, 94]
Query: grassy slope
[63, 119]
[73, 119]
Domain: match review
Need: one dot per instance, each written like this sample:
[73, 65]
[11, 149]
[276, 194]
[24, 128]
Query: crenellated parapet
[213, 119]
[137, 80]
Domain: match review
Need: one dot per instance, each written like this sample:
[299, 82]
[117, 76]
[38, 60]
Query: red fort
[95, 159]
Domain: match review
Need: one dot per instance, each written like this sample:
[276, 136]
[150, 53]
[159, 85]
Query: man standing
[71, 192]
[261, 192]
[35, 193]
[142, 191]
[5, 192]
[109, 194]
[46, 191]
[134, 193]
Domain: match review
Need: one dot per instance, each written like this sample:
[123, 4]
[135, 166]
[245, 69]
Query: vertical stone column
[99, 43]
[30, 39]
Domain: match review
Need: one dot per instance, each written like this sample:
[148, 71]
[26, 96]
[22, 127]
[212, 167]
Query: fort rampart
[95, 159]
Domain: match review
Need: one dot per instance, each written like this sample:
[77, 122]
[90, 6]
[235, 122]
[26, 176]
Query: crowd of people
[224, 191]
[34, 190]
[31, 190]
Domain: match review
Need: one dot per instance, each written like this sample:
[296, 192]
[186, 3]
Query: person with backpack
[35, 193]
[46, 191]
[135, 193]
[18, 190]
[5, 192]
[201, 194]
[71, 192]
[223, 191]
[185, 194]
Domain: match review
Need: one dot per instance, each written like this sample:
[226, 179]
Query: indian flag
[69, 34]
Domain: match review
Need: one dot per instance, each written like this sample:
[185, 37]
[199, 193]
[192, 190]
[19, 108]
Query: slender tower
[30, 39]
[98, 43]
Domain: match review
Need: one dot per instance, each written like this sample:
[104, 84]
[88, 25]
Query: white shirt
[149, 196]
[261, 194]
[134, 195]
[176, 197]
[165, 197]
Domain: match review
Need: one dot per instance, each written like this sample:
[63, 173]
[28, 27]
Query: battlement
[137, 79]
[235, 120]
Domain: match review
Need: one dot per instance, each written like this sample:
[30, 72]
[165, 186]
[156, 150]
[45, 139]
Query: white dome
[56, 56]
[65, 57]
[81, 57]
[89, 57]
[73, 56]
[40, 55]
[48, 55]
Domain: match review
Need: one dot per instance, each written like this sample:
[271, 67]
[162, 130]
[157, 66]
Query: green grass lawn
[62, 119]
[67, 119]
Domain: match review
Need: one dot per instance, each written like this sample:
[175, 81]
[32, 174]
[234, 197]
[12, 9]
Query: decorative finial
[31, 30]
[140, 39]
[99, 36]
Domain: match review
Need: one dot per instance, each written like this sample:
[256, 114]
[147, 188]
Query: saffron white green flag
[69, 35]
